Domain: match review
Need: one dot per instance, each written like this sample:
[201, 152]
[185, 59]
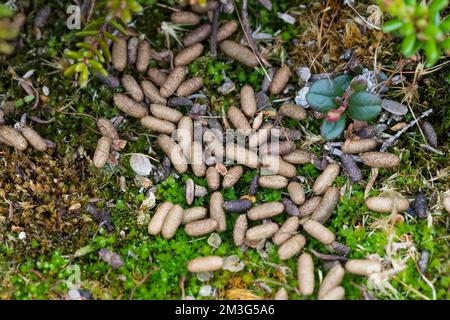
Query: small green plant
[420, 25]
[339, 97]
[10, 25]
[93, 52]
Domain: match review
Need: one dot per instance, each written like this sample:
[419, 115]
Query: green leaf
[359, 84]
[343, 80]
[19, 103]
[392, 25]
[87, 33]
[85, 250]
[407, 47]
[407, 28]
[433, 53]
[322, 95]
[332, 130]
[5, 11]
[437, 5]
[28, 99]
[364, 106]
[445, 24]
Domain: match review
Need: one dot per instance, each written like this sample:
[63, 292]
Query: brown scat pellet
[419, 204]
[286, 133]
[172, 222]
[213, 178]
[33, 138]
[291, 247]
[240, 155]
[260, 137]
[248, 101]
[143, 56]
[239, 230]
[358, 146]
[194, 214]
[380, 159]
[309, 206]
[102, 152]
[326, 206]
[13, 138]
[226, 30]
[185, 133]
[158, 125]
[281, 295]
[337, 293]
[293, 111]
[213, 141]
[185, 17]
[152, 92]
[237, 206]
[205, 264]
[290, 207]
[363, 267]
[279, 148]
[430, 134]
[332, 280]
[276, 165]
[298, 157]
[129, 106]
[197, 162]
[273, 182]
[262, 231]
[280, 80]
[305, 274]
[197, 35]
[107, 129]
[386, 204]
[239, 120]
[216, 211]
[319, 232]
[326, 179]
[173, 81]
[296, 192]
[209, 6]
[232, 177]
[157, 76]
[157, 221]
[165, 113]
[189, 86]
[189, 54]
[253, 188]
[132, 88]
[265, 210]
[200, 227]
[446, 203]
[351, 168]
[189, 189]
[119, 54]
[238, 52]
[133, 44]
[286, 231]
[174, 152]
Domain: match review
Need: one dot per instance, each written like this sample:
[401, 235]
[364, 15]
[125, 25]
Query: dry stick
[373, 176]
[248, 33]
[329, 257]
[215, 26]
[389, 142]
[249, 40]
[362, 18]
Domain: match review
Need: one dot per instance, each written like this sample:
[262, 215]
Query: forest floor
[49, 241]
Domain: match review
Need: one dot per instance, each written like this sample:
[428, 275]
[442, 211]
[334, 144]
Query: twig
[428, 147]
[142, 282]
[249, 38]
[329, 257]
[389, 142]
[215, 26]
[362, 18]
